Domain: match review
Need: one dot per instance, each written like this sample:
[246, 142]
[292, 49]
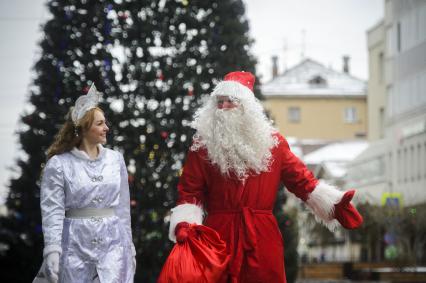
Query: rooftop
[311, 78]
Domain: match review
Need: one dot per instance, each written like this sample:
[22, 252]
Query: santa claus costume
[231, 176]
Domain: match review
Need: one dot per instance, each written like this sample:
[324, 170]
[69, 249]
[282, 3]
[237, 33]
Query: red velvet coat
[242, 213]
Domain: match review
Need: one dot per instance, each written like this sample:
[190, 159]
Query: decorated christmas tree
[75, 51]
[174, 53]
[169, 55]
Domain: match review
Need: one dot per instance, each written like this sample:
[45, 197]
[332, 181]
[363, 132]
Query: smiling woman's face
[97, 132]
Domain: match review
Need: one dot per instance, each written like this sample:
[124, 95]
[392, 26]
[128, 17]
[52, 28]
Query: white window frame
[350, 115]
[294, 114]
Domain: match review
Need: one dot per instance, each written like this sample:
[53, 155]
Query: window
[411, 162]
[294, 114]
[317, 81]
[350, 115]
[419, 161]
[398, 37]
[381, 64]
[405, 164]
[424, 163]
[399, 164]
[382, 122]
[390, 41]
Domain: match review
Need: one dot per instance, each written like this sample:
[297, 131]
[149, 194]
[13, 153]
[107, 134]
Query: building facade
[399, 159]
[376, 94]
[311, 101]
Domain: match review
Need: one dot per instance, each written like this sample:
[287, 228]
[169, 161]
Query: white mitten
[52, 267]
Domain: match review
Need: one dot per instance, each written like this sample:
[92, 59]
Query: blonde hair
[71, 135]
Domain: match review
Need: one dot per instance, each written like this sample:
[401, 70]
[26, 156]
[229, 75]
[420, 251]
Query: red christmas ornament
[190, 92]
[164, 134]
[86, 89]
[131, 179]
[160, 76]
[123, 15]
[133, 202]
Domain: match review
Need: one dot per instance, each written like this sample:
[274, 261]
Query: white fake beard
[237, 141]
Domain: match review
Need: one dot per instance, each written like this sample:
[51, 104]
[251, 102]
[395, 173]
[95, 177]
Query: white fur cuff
[187, 212]
[50, 249]
[321, 203]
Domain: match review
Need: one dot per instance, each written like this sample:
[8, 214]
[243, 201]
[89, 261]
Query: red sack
[202, 258]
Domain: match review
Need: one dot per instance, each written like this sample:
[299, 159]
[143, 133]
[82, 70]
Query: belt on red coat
[247, 240]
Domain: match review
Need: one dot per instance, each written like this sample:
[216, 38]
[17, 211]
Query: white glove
[52, 267]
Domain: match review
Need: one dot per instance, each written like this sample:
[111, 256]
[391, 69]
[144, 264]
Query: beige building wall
[320, 118]
[376, 94]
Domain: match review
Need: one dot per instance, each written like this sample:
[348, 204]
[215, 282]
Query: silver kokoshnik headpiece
[84, 103]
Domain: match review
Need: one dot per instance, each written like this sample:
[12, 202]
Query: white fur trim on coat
[186, 212]
[50, 249]
[321, 203]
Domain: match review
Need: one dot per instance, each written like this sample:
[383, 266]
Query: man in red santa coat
[231, 175]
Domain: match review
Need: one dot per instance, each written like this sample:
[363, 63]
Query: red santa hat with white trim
[237, 84]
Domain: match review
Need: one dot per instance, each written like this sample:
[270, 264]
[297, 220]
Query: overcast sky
[323, 30]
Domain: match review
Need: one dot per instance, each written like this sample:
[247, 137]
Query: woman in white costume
[85, 203]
